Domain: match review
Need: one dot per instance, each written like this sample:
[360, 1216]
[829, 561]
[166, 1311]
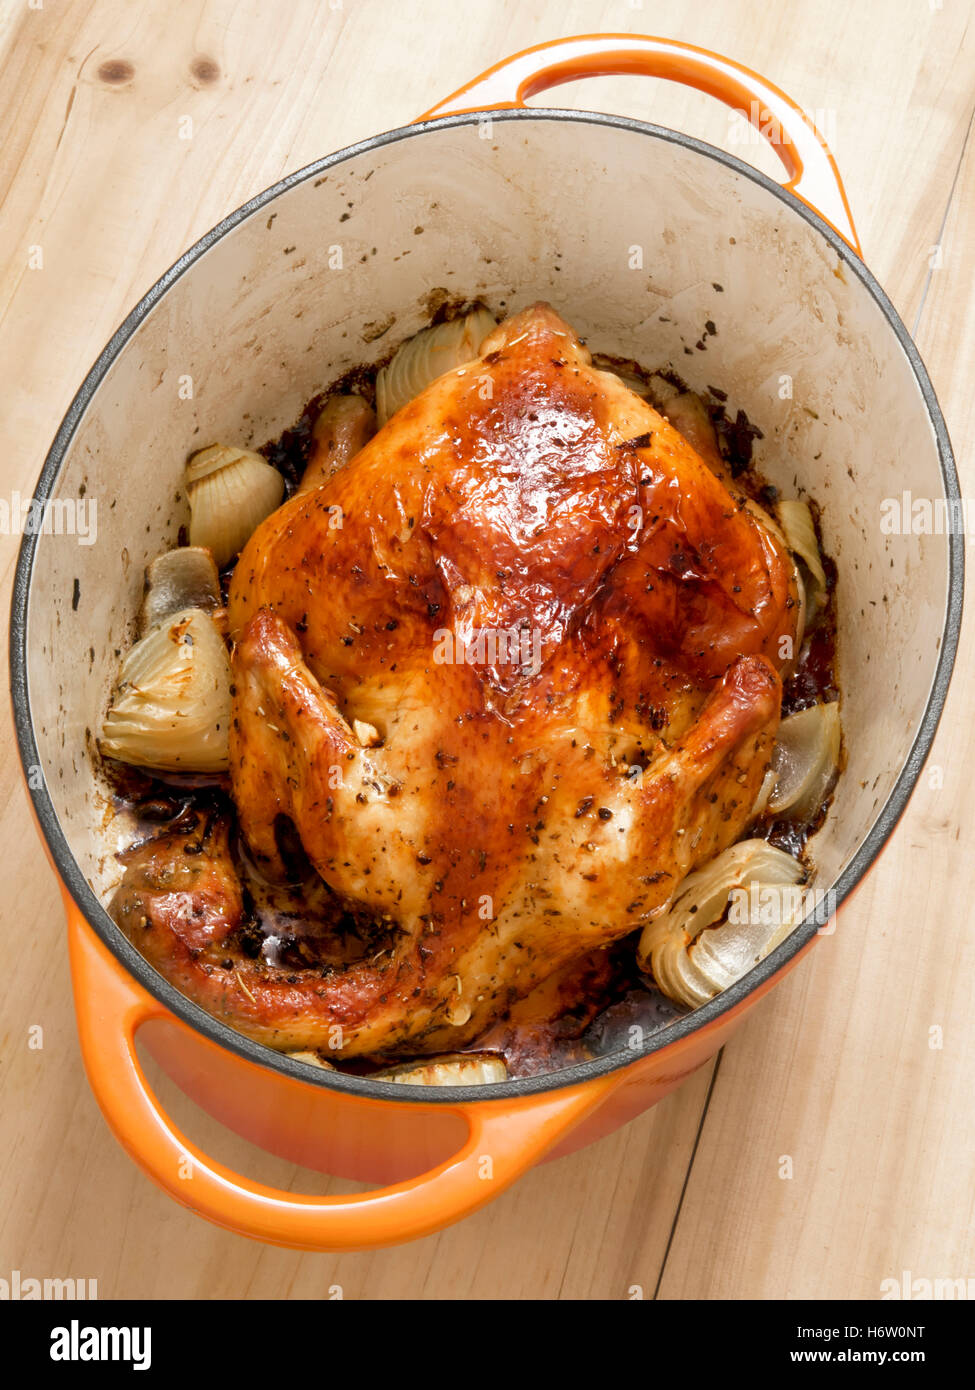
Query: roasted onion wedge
[182, 578]
[797, 524]
[171, 709]
[311, 1059]
[690, 957]
[230, 492]
[427, 355]
[805, 760]
[458, 1069]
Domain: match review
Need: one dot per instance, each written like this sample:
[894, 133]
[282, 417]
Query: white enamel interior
[533, 208]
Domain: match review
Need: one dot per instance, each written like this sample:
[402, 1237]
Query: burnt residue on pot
[289, 452]
[371, 332]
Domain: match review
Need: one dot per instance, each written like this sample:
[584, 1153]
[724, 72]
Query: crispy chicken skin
[505, 814]
[181, 895]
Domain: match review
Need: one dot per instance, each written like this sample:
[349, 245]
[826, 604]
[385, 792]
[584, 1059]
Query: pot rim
[706, 1015]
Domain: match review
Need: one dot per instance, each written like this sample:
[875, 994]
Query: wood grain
[835, 1070]
[843, 1073]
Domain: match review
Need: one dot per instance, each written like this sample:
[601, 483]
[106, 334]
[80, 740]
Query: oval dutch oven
[515, 204]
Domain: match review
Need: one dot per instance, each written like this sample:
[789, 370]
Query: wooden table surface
[840, 1070]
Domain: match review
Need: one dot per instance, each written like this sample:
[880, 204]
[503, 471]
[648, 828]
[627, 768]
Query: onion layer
[805, 760]
[796, 521]
[230, 492]
[427, 355]
[461, 1069]
[311, 1059]
[690, 958]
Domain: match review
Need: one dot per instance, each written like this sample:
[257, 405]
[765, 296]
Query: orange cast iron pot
[435, 1156]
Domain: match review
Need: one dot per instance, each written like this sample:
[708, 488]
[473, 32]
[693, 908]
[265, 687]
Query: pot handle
[812, 171]
[111, 1007]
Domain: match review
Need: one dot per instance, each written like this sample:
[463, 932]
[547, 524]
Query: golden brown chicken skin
[511, 674]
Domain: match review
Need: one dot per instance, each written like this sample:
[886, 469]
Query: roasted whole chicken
[500, 682]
